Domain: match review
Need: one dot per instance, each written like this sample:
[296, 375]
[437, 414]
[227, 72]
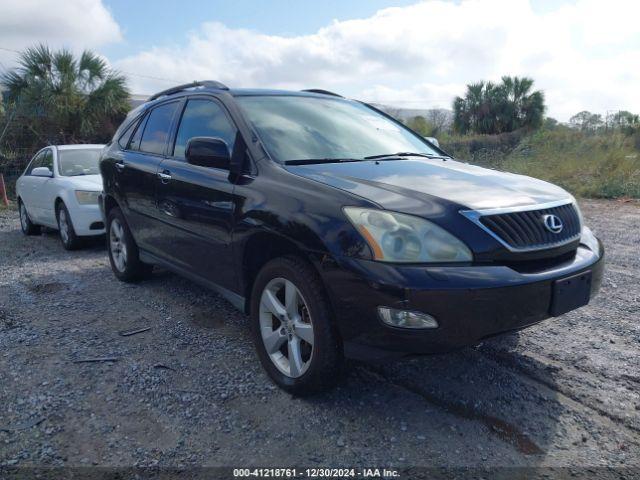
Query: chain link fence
[11, 167]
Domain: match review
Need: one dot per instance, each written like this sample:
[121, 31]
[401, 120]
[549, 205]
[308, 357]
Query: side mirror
[41, 172]
[433, 140]
[208, 152]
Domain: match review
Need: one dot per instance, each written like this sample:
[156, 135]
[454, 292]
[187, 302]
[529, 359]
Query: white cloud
[584, 55]
[75, 24]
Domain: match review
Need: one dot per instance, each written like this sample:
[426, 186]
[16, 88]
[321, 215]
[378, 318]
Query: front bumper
[87, 219]
[470, 303]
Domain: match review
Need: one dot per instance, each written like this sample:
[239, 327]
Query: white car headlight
[87, 198]
[396, 237]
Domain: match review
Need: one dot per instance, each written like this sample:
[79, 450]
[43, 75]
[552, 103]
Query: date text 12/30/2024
[315, 473]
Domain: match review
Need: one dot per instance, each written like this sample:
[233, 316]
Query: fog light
[406, 319]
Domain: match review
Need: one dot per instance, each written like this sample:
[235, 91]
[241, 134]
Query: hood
[87, 182]
[394, 183]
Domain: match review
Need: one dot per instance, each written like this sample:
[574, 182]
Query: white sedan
[59, 189]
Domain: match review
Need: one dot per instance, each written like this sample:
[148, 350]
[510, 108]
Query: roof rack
[324, 92]
[180, 88]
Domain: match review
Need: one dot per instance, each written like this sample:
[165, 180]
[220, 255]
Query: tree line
[512, 105]
[54, 97]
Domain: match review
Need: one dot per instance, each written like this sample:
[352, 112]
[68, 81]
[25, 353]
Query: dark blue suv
[338, 229]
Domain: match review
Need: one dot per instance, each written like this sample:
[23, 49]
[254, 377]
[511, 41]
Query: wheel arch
[261, 248]
[109, 203]
[56, 203]
[59, 199]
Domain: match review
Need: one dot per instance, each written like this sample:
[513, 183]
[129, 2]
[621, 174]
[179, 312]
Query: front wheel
[293, 329]
[70, 241]
[27, 226]
[123, 251]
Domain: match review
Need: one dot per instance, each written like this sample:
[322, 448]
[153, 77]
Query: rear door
[137, 169]
[196, 203]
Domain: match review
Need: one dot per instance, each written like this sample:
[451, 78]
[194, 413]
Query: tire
[27, 226]
[320, 363]
[124, 255]
[68, 237]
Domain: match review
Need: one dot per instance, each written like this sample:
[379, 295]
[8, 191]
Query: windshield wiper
[311, 161]
[404, 154]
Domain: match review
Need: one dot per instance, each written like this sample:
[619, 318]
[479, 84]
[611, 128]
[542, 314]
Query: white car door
[49, 191]
[42, 188]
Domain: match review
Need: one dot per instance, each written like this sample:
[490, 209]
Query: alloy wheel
[117, 245]
[63, 225]
[286, 327]
[24, 220]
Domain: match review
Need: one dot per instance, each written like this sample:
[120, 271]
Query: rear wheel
[123, 251]
[292, 327]
[27, 226]
[70, 241]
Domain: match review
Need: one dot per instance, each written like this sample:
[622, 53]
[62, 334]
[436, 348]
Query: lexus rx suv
[341, 232]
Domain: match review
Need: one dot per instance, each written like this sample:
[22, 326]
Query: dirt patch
[47, 288]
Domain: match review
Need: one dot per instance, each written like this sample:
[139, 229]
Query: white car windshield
[72, 163]
[315, 128]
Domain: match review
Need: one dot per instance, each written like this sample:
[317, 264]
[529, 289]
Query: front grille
[526, 230]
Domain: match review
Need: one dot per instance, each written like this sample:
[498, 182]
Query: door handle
[119, 166]
[164, 176]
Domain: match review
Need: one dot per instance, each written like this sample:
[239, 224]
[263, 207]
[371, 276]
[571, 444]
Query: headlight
[87, 198]
[395, 237]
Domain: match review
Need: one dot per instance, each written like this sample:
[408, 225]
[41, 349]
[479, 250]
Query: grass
[605, 165]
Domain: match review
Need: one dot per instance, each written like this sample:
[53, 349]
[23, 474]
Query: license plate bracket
[570, 293]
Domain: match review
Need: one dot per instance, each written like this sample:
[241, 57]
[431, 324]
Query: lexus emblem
[553, 223]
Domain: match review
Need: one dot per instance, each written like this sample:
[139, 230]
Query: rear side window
[203, 118]
[156, 131]
[134, 144]
[124, 138]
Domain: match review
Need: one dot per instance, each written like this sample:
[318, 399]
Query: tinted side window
[134, 143]
[203, 118]
[157, 128]
[124, 138]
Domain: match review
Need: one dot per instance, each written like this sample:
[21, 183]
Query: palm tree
[490, 108]
[63, 99]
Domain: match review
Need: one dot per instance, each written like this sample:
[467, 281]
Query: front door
[41, 186]
[197, 203]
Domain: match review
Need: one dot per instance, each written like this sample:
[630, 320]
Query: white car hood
[84, 182]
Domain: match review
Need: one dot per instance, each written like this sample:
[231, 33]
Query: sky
[584, 54]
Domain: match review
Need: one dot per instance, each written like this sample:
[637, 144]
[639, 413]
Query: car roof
[235, 92]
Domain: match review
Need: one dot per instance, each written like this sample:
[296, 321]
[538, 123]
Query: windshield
[78, 162]
[300, 128]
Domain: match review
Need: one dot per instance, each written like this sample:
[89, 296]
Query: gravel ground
[190, 392]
